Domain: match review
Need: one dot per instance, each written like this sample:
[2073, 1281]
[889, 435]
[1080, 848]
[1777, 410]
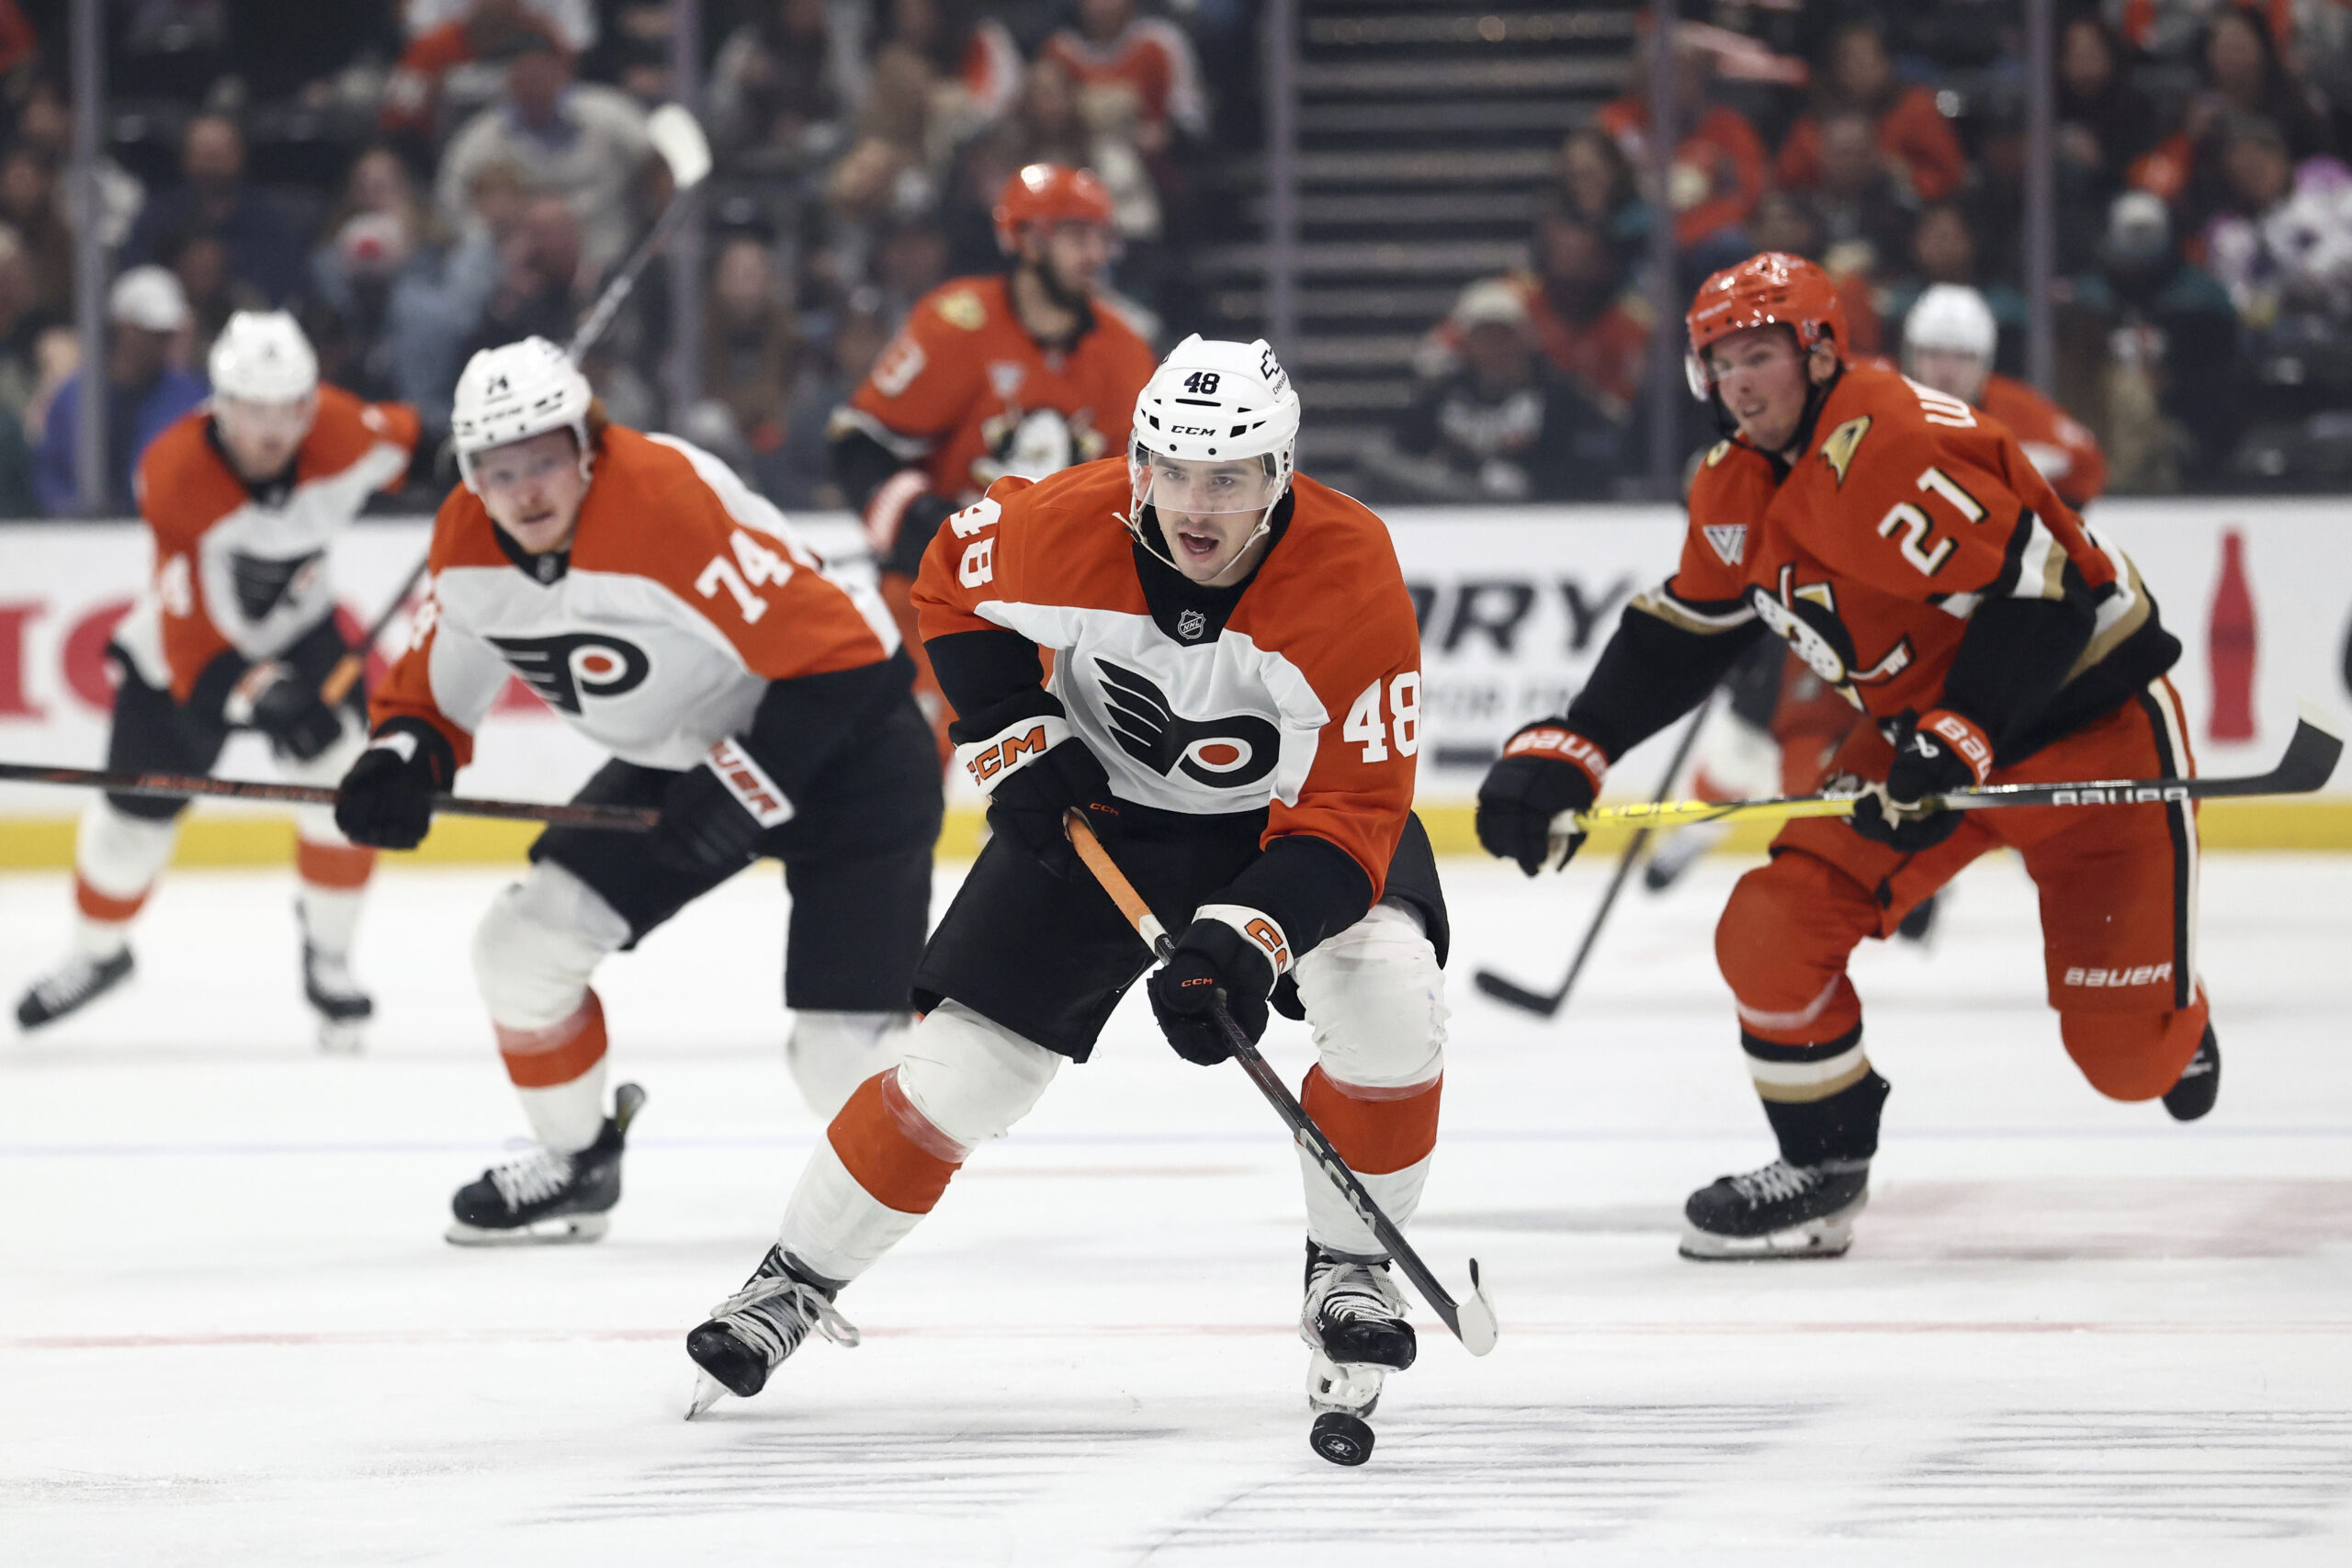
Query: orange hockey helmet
[1048, 193]
[1773, 286]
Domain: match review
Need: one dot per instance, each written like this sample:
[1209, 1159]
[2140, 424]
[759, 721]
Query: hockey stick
[2306, 764]
[679, 143]
[1473, 1322]
[187, 786]
[1545, 1004]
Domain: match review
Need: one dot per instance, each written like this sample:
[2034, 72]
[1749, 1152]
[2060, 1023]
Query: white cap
[1214, 402]
[1490, 301]
[149, 298]
[516, 391]
[263, 357]
[1953, 317]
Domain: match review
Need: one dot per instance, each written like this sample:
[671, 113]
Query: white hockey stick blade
[1478, 1331]
[681, 143]
[708, 1391]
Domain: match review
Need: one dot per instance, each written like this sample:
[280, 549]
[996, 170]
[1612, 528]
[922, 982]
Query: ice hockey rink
[2070, 1331]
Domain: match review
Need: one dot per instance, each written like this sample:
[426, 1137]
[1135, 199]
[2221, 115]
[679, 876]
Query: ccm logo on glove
[748, 782]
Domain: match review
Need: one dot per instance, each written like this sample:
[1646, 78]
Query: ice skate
[547, 1196]
[70, 986]
[343, 1008]
[2199, 1083]
[1781, 1211]
[1353, 1318]
[750, 1333]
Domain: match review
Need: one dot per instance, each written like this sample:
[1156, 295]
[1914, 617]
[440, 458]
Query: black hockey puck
[1340, 1437]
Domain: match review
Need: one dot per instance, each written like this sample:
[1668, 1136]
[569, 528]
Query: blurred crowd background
[1468, 201]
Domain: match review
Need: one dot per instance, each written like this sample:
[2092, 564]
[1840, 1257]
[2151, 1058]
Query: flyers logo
[1005, 755]
[565, 669]
[1229, 753]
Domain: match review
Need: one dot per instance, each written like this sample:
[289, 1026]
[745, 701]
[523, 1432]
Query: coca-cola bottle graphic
[2230, 645]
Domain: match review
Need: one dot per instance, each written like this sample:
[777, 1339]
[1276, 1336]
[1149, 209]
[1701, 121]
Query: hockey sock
[116, 858]
[334, 878]
[1823, 1101]
[882, 1166]
[558, 1074]
[832, 1053]
[1388, 1137]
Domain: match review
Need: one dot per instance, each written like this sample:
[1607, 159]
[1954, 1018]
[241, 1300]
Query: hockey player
[1915, 559]
[1023, 373]
[666, 611]
[1948, 344]
[235, 630]
[1235, 705]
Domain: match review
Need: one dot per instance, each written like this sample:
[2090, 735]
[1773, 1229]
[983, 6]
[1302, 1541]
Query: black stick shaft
[186, 786]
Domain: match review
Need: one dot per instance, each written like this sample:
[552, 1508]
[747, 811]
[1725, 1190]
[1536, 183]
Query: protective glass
[1183, 487]
[249, 424]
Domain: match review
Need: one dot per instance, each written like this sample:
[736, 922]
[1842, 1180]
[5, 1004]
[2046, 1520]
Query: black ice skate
[548, 1196]
[2199, 1083]
[70, 986]
[748, 1335]
[1355, 1320]
[343, 1008]
[1781, 1211]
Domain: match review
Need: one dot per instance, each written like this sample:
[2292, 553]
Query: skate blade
[1352, 1388]
[561, 1230]
[1826, 1237]
[345, 1037]
[708, 1391]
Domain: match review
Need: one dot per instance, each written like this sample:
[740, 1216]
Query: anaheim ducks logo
[1229, 753]
[564, 669]
[1806, 619]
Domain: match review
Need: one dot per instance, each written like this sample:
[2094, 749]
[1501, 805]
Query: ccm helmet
[1212, 402]
[261, 356]
[516, 391]
[1764, 289]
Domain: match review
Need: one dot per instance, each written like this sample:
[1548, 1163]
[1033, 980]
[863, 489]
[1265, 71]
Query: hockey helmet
[1771, 287]
[1210, 405]
[1048, 193]
[1952, 317]
[516, 391]
[261, 356]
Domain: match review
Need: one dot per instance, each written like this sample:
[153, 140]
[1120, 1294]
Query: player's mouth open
[1200, 546]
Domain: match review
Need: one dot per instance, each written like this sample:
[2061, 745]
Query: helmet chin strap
[1153, 538]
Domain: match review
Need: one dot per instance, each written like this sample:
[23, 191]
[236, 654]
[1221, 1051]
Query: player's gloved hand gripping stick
[1472, 1322]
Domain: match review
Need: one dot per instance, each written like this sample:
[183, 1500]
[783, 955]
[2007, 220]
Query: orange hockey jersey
[682, 596]
[244, 567]
[1300, 696]
[1906, 514]
[2066, 453]
[965, 393]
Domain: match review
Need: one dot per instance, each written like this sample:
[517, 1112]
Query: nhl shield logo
[1191, 625]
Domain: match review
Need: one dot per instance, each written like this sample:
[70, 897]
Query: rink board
[1515, 605]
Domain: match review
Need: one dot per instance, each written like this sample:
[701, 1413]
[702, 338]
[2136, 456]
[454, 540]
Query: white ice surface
[2070, 1332]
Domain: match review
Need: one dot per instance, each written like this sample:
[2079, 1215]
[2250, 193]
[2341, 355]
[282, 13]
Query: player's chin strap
[1149, 536]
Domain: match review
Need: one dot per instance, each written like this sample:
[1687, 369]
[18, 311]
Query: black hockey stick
[186, 786]
[1473, 1322]
[1545, 1004]
[2305, 766]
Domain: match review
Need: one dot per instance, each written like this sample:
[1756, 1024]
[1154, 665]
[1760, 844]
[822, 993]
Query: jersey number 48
[1404, 726]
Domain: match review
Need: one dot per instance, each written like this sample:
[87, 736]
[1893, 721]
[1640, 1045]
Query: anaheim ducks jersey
[2065, 453]
[683, 596]
[1299, 696]
[1905, 514]
[242, 566]
[965, 393]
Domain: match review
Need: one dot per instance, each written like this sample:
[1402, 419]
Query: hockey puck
[1340, 1437]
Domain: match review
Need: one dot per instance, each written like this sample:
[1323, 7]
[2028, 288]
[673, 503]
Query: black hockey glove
[272, 698]
[1229, 953]
[713, 815]
[1546, 769]
[1022, 754]
[1934, 754]
[386, 800]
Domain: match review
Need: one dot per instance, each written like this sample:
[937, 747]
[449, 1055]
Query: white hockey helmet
[1215, 401]
[516, 391]
[261, 356]
[1954, 317]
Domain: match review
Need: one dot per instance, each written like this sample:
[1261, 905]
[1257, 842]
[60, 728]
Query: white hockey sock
[567, 1116]
[832, 1053]
[832, 1226]
[116, 858]
[1332, 1225]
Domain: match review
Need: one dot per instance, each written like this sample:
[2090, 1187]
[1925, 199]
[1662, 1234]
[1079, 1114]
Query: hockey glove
[281, 704]
[1939, 752]
[713, 815]
[1546, 769]
[1229, 953]
[1022, 754]
[386, 800]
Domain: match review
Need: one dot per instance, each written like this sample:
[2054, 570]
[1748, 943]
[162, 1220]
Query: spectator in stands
[1048, 128]
[2282, 242]
[787, 86]
[1583, 319]
[260, 246]
[541, 288]
[45, 129]
[200, 261]
[571, 23]
[579, 139]
[1947, 343]
[1136, 73]
[2242, 75]
[29, 204]
[1593, 181]
[1718, 169]
[2104, 123]
[750, 343]
[1866, 209]
[1943, 250]
[451, 71]
[1910, 132]
[1503, 425]
[941, 75]
[799, 472]
[1788, 220]
[910, 259]
[21, 321]
[145, 392]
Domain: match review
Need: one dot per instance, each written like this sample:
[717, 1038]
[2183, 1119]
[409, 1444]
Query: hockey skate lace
[68, 984]
[331, 976]
[786, 1311]
[1773, 1183]
[537, 1174]
[1357, 1292]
